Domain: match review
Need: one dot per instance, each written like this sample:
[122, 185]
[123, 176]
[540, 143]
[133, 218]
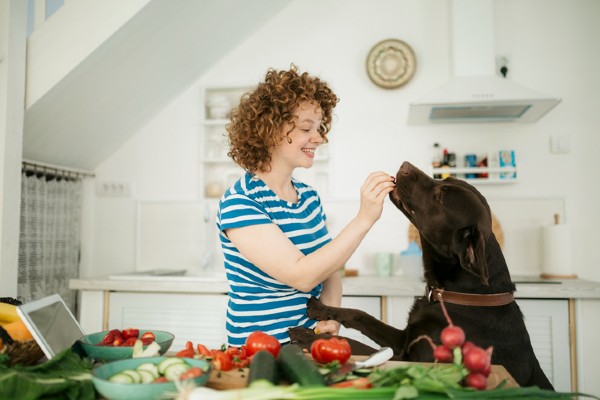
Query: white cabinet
[547, 322]
[196, 317]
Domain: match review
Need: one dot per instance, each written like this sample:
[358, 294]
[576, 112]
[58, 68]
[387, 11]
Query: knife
[377, 358]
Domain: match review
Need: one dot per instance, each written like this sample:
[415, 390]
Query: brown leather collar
[469, 299]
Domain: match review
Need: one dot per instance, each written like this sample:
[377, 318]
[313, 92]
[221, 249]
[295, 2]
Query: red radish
[468, 345]
[452, 336]
[443, 354]
[477, 359]
[476, 381]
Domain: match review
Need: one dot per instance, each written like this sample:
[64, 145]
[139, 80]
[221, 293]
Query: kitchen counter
[527, 286]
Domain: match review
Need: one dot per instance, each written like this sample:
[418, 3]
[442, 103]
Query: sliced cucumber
[147, 376]
[164, 364]
[137, 378]
[174, 371]
[150, 367]
[121, 378]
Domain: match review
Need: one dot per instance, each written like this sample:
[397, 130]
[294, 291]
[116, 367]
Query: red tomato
[193, 372]
[325, 351]
[186, 353]
[358, 383]
[203, 350]
[130, 333]
[130, 341]
[109, 338]
[259, 340]
[222, 361]
[147, 338]
[160, 379]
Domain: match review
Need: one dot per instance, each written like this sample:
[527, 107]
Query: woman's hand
[329, 326]
[372, 194]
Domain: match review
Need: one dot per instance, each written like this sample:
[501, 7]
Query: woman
[278, 252]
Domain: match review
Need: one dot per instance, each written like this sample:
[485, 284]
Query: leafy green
[66, 376]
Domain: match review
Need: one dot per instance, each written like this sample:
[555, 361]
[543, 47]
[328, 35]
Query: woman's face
[304, 137]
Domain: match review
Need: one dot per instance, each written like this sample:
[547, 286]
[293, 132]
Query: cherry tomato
[358, 383]
[147, 338]
[203, 350]
[259, 340]
[109, 338]
[130, 333]
[222, 361]
[325, 351]
[186, 353]
[193, 372]
[130, 341]
[161, 379]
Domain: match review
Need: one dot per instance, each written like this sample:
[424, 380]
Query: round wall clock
[391, 63]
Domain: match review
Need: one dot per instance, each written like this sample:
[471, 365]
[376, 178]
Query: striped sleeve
[237, 210]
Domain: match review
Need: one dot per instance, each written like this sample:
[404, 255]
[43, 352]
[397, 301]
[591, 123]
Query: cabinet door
[547, 322]
[369, 304]
[196, 317]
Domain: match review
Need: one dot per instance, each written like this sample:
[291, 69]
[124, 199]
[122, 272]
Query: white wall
[551, 47]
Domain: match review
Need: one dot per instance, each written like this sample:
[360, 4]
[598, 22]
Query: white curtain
[49, 236]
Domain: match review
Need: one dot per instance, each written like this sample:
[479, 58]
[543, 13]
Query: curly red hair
[257, 123]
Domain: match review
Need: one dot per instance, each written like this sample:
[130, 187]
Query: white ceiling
[109, 96]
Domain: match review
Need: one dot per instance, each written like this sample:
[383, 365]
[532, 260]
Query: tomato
[358, 383]
[325, 351]
[147, 338]
[109, 338]
[130, 333]
[193, 372]
[259, 340]
[203, 350]
[222, 361]
[130, 341]
[187, 353]
[160, 379]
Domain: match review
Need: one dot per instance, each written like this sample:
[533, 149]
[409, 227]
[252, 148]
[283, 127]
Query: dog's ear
[472, 253]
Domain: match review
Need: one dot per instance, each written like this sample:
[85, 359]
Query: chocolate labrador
[463, 263]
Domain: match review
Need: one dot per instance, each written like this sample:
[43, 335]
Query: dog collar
[469, 299]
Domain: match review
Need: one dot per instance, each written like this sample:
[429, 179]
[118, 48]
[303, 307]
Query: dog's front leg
[373, 328]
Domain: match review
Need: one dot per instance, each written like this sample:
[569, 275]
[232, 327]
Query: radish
[477, 359]
[476, 380]
[452, 336]
[443, 354]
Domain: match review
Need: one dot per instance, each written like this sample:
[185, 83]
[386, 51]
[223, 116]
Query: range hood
[476, 93]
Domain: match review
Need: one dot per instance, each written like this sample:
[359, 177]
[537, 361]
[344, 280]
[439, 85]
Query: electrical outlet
[113, 189]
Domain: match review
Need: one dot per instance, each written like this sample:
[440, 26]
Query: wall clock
[391, 63]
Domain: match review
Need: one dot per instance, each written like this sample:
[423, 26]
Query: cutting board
[237, 379]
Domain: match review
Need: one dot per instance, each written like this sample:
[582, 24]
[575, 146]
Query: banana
[8, 313]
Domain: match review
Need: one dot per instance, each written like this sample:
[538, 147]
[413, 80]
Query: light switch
[560, 144]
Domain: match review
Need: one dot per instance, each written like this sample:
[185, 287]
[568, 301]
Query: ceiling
[136, 72]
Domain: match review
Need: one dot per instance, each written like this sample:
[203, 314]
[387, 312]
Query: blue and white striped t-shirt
[256, 300]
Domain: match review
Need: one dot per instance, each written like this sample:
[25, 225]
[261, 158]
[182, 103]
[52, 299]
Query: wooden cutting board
[237, 379]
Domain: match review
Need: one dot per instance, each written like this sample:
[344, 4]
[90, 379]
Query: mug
[383, 263]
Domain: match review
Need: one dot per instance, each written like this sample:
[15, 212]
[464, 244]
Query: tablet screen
[52, 324]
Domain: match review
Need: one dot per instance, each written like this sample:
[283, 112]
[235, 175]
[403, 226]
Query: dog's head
[453, 218]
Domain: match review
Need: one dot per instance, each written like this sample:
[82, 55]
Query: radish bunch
[455, 348]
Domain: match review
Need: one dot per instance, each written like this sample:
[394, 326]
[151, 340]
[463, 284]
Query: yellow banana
[8, 313]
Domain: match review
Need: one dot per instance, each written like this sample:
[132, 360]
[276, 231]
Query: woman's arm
[331, 296]
[267, 247]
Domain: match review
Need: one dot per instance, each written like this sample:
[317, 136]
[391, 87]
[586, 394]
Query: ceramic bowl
[142, 391]
[89, 343]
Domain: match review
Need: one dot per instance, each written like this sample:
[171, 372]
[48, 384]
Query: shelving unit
[496, 175]
[218, 170]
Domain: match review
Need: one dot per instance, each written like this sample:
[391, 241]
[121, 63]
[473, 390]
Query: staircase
[97, 71]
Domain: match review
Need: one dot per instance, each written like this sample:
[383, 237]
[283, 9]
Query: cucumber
[174, 371]
[297, 368]
[263, 366]
[121, 378]
[147, 376]
[150, 367]
[135, 376]
[164, 364]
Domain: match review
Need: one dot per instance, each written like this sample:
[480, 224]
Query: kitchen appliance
[475, 93]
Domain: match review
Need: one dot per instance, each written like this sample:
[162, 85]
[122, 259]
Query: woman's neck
[280, 184]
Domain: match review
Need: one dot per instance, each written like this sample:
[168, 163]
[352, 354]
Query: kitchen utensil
[377, 358]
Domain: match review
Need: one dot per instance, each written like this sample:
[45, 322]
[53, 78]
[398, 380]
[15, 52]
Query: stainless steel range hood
[476, 94]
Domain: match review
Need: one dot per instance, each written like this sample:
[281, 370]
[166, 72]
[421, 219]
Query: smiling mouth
[308, 151]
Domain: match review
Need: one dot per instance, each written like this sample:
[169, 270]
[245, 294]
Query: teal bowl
[89, 343]
[140, 391]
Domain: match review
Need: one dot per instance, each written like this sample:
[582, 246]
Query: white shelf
[495, 179]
